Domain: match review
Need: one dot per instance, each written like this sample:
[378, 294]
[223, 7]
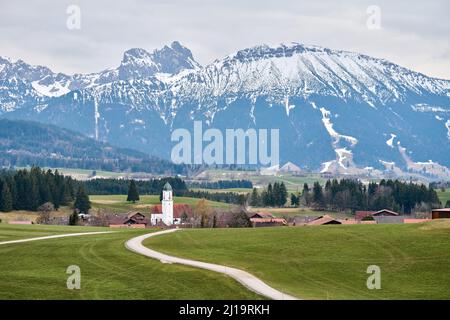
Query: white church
[166, 216]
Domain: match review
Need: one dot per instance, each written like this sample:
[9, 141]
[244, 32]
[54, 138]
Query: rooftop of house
[361, 214]
[267, 220]
[325, 219]
[133, 213]
[260, 215]
[385, 211]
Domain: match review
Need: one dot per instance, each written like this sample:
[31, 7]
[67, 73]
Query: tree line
[347, 194]
[29, 189]
[121, 186]
[273, 196]
[134, 188]
[221, 184]
[227, 197]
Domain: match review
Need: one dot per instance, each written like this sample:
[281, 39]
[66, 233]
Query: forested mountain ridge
[24, 143]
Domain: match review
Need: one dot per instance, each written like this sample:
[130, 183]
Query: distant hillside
[24, 143]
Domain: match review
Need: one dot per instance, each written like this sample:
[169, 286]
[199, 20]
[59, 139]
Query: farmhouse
[131, 219]
[265, 215]
[267, 222]
[440, 213]
[265, 219]
[359, 215]
[323, 220]
[289, 167]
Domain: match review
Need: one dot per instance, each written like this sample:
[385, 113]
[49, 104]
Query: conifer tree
[318, 198]
[283, 194]
[254, 198]
[82, 203]
[6, 201]
[74, 217]
[133, 193]
[269, 199]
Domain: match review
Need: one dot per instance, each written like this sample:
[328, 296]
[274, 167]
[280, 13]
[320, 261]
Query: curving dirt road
[245, 278]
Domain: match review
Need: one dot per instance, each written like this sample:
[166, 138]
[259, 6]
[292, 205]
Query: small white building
[166, 216]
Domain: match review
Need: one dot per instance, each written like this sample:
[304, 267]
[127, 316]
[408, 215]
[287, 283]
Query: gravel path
[245, 278]
[54, 236]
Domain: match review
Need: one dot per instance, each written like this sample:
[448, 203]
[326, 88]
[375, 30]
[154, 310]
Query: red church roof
[178, 209]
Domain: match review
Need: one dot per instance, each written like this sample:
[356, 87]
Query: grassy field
[293, 183]
[23, 215]
[37, 270]
[443, 196]
[118, 203]
[14, 232]
[329, 262]
[83, 173]
[236, 190]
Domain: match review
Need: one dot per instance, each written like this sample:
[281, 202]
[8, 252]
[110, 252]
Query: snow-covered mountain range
[337, 111]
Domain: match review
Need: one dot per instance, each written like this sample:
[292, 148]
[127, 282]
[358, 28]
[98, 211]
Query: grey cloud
[414, 33]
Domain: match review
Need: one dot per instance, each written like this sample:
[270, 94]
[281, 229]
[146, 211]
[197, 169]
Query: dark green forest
[28, 189]
[347, 194]
[121, 186]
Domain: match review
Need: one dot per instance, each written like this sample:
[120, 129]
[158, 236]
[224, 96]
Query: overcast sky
[414, 34]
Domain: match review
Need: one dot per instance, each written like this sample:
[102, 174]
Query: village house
[265, 219]
[261, 215]
[440, 213]
[360, 215]
[323, 220]
[132, 219]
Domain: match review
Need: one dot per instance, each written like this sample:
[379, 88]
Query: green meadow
[328, 262]
[37, 269]
[444, 196]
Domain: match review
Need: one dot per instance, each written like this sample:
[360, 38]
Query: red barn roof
[359, 215]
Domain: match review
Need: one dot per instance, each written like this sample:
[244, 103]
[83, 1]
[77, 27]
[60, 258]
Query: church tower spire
[167, 204]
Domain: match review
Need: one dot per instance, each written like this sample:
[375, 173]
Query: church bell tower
[167, 204]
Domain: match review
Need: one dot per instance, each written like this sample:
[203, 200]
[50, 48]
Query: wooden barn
[262, 215]
[359, 215]
[323, 220]
[440, 213]
[268, 222]
[131, 219]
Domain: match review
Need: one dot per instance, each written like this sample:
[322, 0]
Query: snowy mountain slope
[308, 70]
[351, 102]
[136, 64]
[337, 111]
